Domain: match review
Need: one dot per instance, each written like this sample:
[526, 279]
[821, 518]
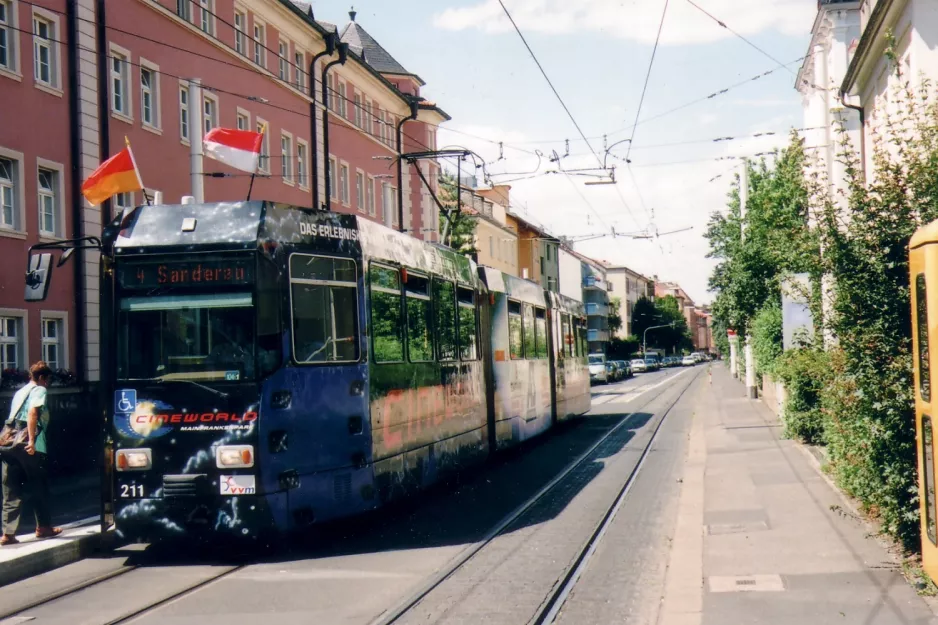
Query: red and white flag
[240, 149]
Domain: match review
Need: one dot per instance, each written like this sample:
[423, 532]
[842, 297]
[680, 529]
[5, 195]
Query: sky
[597, 55]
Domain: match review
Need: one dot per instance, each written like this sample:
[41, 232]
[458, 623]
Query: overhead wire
[651, 65]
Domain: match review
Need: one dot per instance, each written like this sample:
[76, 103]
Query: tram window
[530, 344]
[468, 323]
[566, 335]
[515, 331]
[928, 459]
[921, 305]
[325, 309]
[419, 324]
[540, 328]
[387, 316]
[444, 303]
[581, 338]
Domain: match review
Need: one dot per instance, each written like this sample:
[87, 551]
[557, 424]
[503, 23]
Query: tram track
[551, 607]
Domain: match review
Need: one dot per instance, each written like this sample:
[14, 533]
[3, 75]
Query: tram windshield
[206, 337]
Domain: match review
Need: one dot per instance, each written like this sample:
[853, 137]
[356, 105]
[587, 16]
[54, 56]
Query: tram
[275, 367]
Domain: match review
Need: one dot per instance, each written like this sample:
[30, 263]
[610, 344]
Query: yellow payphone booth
[923, 267]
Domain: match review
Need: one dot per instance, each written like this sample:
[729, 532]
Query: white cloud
[636, 20]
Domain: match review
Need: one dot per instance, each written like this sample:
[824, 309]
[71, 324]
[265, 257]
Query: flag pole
[136, 170]
[254, 173]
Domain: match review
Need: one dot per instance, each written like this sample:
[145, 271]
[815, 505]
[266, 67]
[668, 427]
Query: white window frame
[358, 103]
[58, 199]
[263, 162]
[360, 182]
[240, 25]
[369, 124]
[345, 185]
[302, 164]
[206, 98]
[184, 9]
[124, 200]
[370, 196]
[61, 340]
[330, 93]
[11, 28]
[299, 69]
[245, 116]
[340, 94]
[207, 17]
[126, 112]
[18, 228]
[333, 174]
[54, 84]
[156, 123]
[286, 157]
[185, 112]
[22, 336]
[258, 45]
[283, 60]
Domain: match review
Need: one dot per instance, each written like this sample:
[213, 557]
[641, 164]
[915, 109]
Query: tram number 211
[131, 490]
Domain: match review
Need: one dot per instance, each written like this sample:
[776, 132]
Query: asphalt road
[355, 571]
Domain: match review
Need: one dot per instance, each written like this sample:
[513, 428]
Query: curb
[73, 546]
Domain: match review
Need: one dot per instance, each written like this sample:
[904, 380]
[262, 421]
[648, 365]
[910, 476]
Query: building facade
[629, 286]
[496, 244]
[538, 253]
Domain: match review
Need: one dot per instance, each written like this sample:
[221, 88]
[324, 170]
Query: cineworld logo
[194, 417]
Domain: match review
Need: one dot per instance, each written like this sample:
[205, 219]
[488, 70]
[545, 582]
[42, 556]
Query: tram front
[193, 336]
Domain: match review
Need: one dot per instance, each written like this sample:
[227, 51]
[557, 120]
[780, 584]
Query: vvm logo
[237, 484]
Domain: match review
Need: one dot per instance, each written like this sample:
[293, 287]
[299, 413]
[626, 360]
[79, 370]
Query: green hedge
[805, 372]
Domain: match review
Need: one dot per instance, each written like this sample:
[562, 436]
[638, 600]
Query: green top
[32, 396]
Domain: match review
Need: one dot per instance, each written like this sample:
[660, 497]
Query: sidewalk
[762, 537]
[75, 497]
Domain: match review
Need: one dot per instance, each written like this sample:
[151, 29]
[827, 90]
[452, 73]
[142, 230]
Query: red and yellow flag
[117, 174]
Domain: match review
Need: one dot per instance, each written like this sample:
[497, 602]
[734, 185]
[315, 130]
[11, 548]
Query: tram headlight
[234, 456]
[134, 459]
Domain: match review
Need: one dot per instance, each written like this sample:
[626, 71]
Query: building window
[259, 58]
[299, 74]
[184, 112]
[240, 25]
[7, 36]
[11, 343]
[184, 9]
[263, 161]
[284, 64]
[369, 119]
[120, 99]
[344, 184]
[206, 17]
[286, 153]
[359, 121]
[370, 196]
[209, 113]
[124, 200]
[360, 191]
[52, 343]
[301, 160]
[48, 202]
[333, 192]
[388, 205]
[44, 62]
[150, 96]
[8, 210]
[341, 108]
[244, 121]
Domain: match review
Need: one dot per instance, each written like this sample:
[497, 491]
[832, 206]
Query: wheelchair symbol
[125, 401]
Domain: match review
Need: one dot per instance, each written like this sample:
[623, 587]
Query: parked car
[597, 366]
[651, 363]
[671, 361]
[689, 361]
[624, 366]
[612, 372]
[638, 365]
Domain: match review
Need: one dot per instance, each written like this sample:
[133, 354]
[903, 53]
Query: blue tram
[276, 367]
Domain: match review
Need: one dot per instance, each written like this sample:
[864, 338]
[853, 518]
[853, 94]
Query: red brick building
[77, 83]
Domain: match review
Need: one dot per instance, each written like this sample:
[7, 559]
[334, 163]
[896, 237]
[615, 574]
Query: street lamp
[645, 335]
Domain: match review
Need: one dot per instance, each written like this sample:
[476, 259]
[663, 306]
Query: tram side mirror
[38, 277]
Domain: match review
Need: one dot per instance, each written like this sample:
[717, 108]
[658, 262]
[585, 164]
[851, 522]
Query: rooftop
[373, 52]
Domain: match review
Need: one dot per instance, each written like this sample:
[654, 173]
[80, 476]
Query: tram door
[923, 267]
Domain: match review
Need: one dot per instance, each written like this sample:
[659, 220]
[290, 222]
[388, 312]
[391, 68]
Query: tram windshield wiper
[163, 379]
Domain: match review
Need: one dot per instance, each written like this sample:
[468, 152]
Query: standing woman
[29, 478]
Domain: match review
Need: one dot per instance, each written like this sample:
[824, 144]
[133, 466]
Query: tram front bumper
[245, 516]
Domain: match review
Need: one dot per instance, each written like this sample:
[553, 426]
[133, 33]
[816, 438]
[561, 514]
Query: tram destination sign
[189, 273]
